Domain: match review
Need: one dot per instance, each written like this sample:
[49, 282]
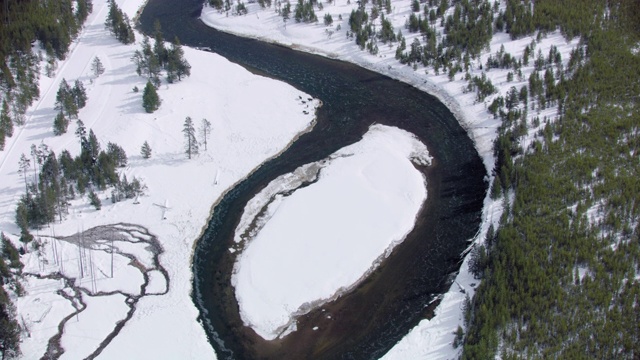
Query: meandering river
[367, 322]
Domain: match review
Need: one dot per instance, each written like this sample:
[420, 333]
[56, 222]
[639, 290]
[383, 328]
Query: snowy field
[101, 272]
[431, 339]
[360, 202]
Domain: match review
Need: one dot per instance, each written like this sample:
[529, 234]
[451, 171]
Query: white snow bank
[253, 118]
[431, 339]
[319, 241]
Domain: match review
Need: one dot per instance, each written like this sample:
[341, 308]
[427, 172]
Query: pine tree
[10, 253]
[81, 131]
[94, 200]
[65, 100]
[150, 100]
[117, 154]
[158, 47]
[119, 25]
[177, 66]
[145, 150]
[205, 131]
[190, 142]
[23, 166]
[6, 123]
[96, 67]
[79, 94]
[9, 329]
[60, 124]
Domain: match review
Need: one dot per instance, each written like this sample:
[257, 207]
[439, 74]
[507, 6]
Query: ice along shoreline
[451, 180]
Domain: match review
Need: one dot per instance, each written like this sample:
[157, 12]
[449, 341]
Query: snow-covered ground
[431, 339]
[361, 203]
[253, 118]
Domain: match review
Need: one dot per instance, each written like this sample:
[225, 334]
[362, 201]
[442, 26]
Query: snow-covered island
[313, 234]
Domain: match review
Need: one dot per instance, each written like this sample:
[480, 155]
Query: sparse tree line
[52, 181]
[150, 61]
[69, 100]
[191, 144]
[53, 25]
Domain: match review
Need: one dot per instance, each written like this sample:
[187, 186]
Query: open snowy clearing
[315, 233]
[253, 118]
[431, 339]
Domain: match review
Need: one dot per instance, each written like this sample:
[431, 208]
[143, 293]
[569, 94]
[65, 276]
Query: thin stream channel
[368, 321]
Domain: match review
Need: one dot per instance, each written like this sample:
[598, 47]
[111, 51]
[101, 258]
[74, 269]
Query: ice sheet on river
[311, 235]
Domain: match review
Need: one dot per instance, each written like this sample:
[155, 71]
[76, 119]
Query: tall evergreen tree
[65, 100]
[60, 124]
[6, 123]
[9, 328]
[190, 142]
[96, 67]
[23, 168]
[150, 99]
[205, 131]
[145, 150]
[119, 25]
[158, 46]
[177, 66]
[79, 94]
[94, 200]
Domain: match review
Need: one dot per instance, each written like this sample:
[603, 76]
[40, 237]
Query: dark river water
[368, 321]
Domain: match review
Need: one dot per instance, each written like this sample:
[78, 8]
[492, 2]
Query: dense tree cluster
[304, 11]
[58, 179]
[119, 25]
[52, 25]
[69, 100]
[561, 273]
[151, 60]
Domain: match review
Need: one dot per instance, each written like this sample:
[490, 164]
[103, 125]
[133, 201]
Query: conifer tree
[158, 47]
[6, 123]
[205, 131]
[150, 100]
[119, 25]
[94, 200]
[96, 67]
[60, 124]
[79, 94]
[177, 66]
[145, 150]
[190, 142]
[65, 100]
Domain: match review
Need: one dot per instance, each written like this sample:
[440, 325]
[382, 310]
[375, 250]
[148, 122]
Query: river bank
[432, 338]
[86, 314]
[355, 99]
